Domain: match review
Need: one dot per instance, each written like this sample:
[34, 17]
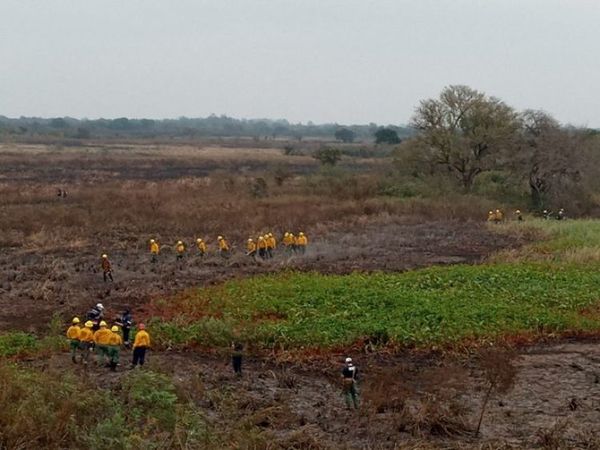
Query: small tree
[345, 135]
[328, 156]
[386, 136]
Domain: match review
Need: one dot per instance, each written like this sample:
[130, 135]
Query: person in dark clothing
[237, 351]
[95, 315]
[125, 322]
[350, 391]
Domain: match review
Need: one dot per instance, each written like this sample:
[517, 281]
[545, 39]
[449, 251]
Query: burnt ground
[554, 402]
[35, 284]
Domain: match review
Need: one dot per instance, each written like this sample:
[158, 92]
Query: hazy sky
[345, 61]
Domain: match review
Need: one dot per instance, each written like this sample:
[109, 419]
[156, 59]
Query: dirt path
[556, 397]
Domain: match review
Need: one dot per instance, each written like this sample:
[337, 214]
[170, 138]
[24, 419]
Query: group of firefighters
[264, 247]
[497, 216]
[96, 336]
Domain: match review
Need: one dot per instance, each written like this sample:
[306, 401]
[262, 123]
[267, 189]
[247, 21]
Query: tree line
[183, 127]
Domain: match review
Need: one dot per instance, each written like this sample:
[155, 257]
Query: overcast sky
[345, 61]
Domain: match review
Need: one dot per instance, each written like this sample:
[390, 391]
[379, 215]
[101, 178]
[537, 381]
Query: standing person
[73, 336]
[201, 247]
[251, 248]
[180, 250]
[114, 347]
[561, 214]
[271, 244]
[491, 216]
[262, 247]
[154, 250]
[237, 352]
[499, 216]
[140, 344]
[349, 374]
[126, 322]
[288, 241]
[301, 242]
[96, 314]
[223, 247]
[292, 239]
[86, 339]
[106, 268]
[518, 215]
[101, 341]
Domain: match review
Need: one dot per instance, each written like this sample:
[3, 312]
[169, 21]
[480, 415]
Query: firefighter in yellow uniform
[73, 336]
[102, 339]
[180, 250]
[499, 216]
[288, 241]
[223, 247]
[86, 340]
[271, 244]
[301, 242]
[262, 247]
[491, 216]
[154, 250]
[251, 248]
[115, 341]
[201, 247]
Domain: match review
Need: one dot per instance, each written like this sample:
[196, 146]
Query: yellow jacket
[262, 243]
[102, 336]
[142, 339]
[288, 240]
[271, 242]
[154, 248]
[223, 245]
[73, 332]
[251, 247]
[180, 248]
[302, 241]
[202, 246]
[86, 335]
[115, 339]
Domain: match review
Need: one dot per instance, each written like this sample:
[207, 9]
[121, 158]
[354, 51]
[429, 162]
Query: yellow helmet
[104, 256]
[152, 241]
[301, 233]
[260, 238]
[270, 234]
[75, 320]
[220, 238]
[103, 324]
[89, 324]
[115, 329]
[286, 233]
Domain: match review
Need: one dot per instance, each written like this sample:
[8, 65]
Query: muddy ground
[35, 284]
[554, 403]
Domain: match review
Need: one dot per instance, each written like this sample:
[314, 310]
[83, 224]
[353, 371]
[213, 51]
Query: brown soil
[37, 284]
[555, 399]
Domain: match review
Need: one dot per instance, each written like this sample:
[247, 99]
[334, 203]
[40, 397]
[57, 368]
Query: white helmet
[100, 306]
[348, 360]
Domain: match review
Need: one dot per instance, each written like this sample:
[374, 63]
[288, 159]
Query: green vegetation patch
[431, 306]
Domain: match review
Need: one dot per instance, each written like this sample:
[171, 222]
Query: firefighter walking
[73, 335]
[106, 268]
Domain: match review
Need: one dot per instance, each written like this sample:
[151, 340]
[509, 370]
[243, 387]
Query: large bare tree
[466, 132]
[550, 155]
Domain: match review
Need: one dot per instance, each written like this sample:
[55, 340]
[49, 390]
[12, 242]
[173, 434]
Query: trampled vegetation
[546, 290]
